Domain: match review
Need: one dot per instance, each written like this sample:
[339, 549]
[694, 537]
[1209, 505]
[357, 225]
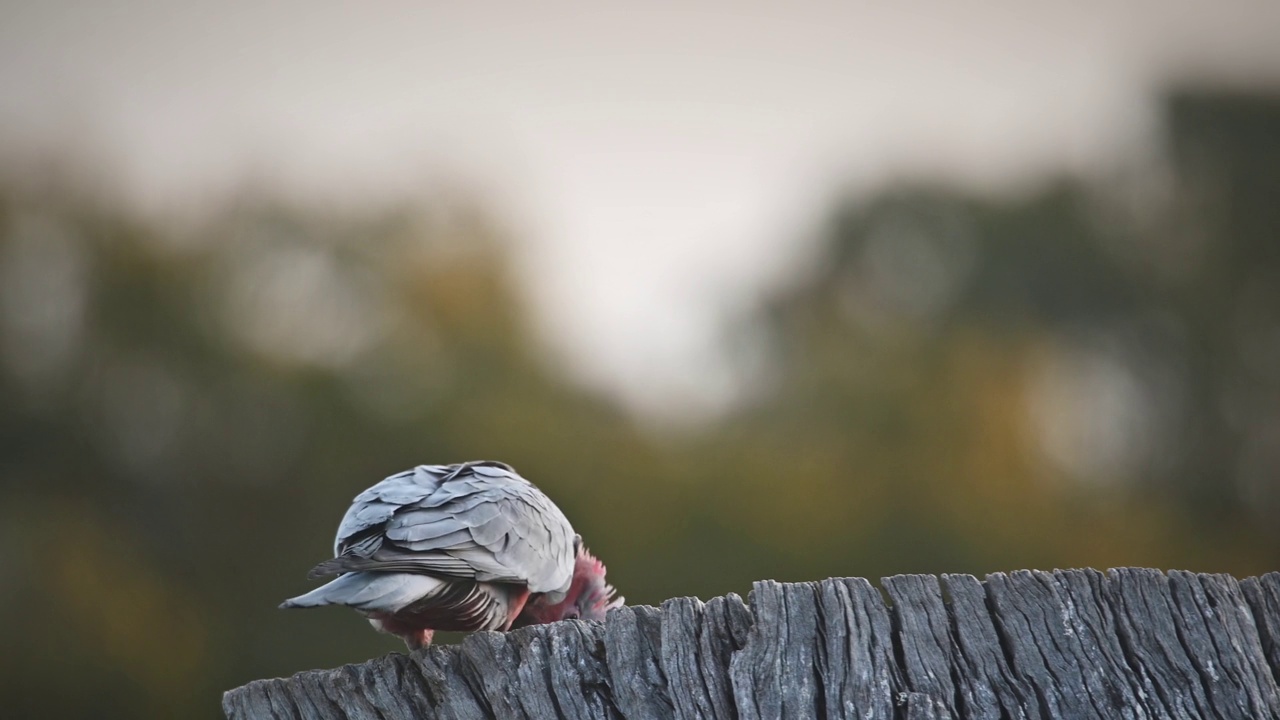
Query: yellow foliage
[115, 609]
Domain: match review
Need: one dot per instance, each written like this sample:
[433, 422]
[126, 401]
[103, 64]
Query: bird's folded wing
[483, 523]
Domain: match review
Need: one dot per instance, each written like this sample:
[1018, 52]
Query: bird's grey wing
[536, 540]
[376, 505]
[484, 523]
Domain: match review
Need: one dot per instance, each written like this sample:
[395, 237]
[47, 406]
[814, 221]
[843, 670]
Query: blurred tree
[1225, 153]
[186, 412]
[1083, 375]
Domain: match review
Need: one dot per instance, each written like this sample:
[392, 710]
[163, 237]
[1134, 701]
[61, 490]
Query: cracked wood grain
[1028, 645]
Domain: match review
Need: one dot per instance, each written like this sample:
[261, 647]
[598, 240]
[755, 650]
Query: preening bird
[469, 546]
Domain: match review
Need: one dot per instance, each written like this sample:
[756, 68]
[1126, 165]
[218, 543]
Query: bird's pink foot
[415, 636]
[418, 639]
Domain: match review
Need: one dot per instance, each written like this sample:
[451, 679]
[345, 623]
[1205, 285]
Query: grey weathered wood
[860, 676]
[634, 647]
[926, 661]
[1030, 645]
[1225, 647]
[988, 688]
[1263, 596]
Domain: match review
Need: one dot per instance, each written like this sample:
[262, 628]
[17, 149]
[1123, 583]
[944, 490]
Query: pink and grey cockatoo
[470, 546]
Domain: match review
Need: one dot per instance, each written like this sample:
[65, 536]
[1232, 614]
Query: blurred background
[788, 290]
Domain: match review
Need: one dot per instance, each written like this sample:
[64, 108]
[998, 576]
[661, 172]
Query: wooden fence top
[1131, 643]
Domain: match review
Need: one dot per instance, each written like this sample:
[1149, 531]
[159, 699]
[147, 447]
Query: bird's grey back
[476, 520]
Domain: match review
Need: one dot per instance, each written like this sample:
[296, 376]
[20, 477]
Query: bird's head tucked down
[589, 596]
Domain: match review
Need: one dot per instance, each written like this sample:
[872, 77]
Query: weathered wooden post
[1131, 643]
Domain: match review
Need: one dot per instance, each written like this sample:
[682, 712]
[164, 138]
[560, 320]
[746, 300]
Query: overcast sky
[662, 161]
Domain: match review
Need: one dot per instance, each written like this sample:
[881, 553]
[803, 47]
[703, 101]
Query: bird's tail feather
[369, 591]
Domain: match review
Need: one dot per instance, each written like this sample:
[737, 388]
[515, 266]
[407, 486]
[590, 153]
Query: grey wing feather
[409, 486]
[378, 504]
[366, 514]
[380, 591]
[538, 541]
[480, 521]
[417, 527]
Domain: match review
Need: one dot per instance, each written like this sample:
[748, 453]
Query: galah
[469, 546]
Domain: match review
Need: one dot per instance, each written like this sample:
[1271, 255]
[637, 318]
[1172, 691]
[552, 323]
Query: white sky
[665, 159]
